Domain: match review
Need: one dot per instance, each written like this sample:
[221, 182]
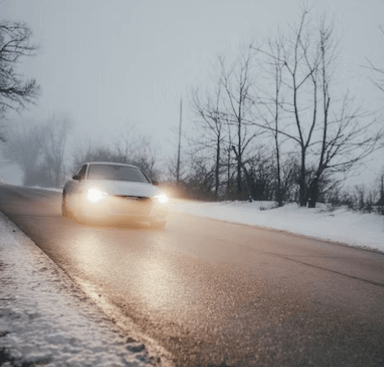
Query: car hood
[124, 188]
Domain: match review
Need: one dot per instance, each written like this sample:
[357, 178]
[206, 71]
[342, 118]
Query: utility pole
[178, 150]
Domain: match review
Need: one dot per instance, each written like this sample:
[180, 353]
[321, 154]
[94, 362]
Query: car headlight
[95, 195]
[162, 198]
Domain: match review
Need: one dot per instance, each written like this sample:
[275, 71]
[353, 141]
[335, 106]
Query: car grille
[133, 205]
[134, 198]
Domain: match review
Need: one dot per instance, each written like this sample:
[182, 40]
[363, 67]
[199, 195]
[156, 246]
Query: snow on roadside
[45, 320]
[341, 225]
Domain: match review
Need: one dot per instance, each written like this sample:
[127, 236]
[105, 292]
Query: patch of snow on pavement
[341, 225]
[45, 320]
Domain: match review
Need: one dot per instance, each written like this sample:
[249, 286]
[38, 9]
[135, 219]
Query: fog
[113, 65]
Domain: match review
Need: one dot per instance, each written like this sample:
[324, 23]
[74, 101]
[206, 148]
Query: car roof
[112, 164]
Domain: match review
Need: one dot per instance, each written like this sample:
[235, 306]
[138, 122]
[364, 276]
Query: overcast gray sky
[109, 63]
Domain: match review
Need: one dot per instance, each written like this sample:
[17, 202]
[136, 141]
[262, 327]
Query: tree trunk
[279, 196]
[239, 189]
[229, 171]
[247, 183]
[302, 190]
[239, 164]
[313, 193]
[217, 168]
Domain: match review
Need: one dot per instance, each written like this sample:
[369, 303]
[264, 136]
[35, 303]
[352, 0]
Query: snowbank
[341, 225]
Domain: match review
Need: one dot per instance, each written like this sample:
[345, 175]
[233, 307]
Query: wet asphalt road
[219, 294]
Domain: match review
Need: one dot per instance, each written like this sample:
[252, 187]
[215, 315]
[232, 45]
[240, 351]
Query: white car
[114, 192]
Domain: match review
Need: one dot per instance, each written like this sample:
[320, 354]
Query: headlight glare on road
[162, 198]
[95, 195]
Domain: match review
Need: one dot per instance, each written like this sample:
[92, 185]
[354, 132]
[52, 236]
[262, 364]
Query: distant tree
[127, 148]
[172, 168]
[239, 101]
[86, 151]
[53, 141]
[23, 147]
[15, 92]
[137, 149]
[210, 125]
[287, 183]
[38, 149]
[261, 175]
[200, 181]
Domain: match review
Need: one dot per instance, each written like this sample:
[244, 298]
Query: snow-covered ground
[341, 225]
[45, 319]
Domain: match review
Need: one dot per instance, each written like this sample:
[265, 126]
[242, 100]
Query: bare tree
[379, 82]
[200, 181]
[23, 147]
[85, 151]
[237, 83]
[292, 51]
[38, 149]
[301, 67]
[15, 42]
[261, 174]
[147, 157]
[210, 125]
[53, 141]
[128, 148]
[347, 135]
[132, 148]
[173, 171]
[332, 135]
[271, 109]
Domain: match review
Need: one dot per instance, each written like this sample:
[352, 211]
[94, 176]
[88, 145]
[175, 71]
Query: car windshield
[115, 173]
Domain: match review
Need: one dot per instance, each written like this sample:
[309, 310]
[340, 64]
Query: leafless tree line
[277, 124]
[363, 198]
[129, 148]
[39, 150]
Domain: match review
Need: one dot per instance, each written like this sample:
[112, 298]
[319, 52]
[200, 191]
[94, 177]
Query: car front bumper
[122, 208]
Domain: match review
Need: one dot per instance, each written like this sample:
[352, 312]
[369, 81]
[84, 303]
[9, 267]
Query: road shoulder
[46, 319]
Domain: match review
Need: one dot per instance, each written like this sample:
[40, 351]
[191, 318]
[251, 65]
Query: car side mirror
[76, 177]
